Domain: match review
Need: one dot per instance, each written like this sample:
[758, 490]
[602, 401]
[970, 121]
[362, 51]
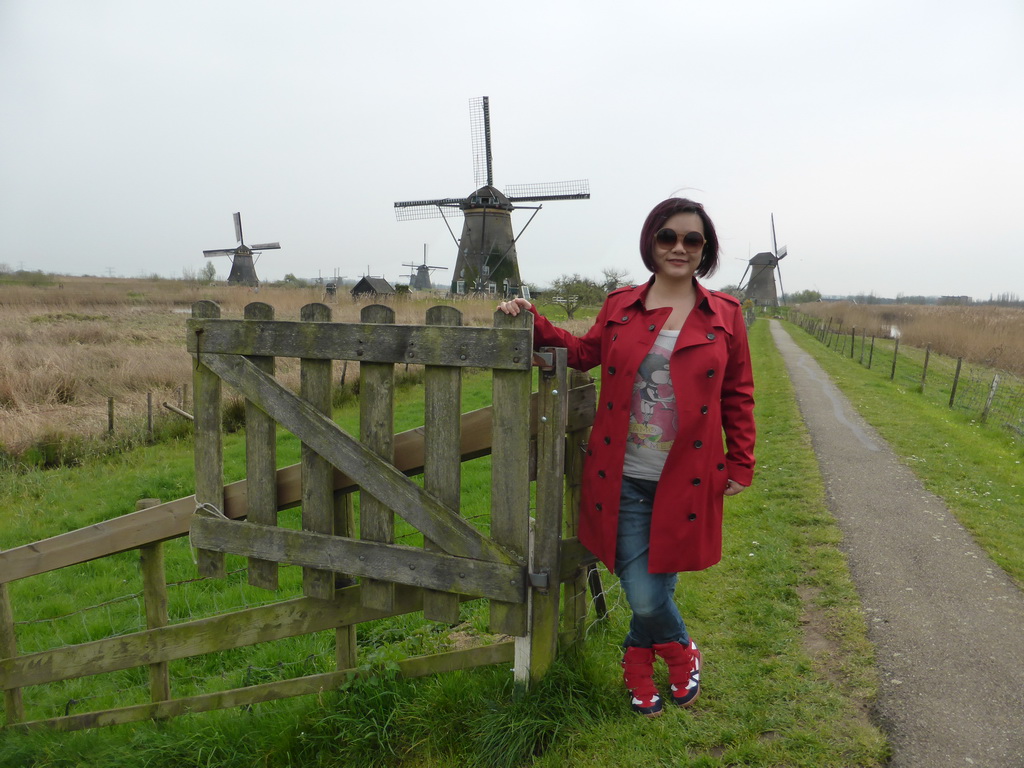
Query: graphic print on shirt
[652, 418]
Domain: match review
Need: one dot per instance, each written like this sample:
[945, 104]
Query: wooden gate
[518, 567]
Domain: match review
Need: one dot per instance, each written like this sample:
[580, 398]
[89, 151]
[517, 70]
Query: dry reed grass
[986, 335]
[67, 347]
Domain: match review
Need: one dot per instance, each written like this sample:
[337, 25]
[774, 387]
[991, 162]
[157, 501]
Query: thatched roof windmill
[764, 269]
[243, 268]
[487, 261]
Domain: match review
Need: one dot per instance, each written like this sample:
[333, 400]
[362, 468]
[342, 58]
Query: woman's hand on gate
[514, 306]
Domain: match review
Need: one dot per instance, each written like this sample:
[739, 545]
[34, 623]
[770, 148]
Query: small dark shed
[372, 286]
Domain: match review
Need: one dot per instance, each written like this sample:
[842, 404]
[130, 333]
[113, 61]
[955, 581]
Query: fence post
[317, 472]
[154, 596]
[871, 353]
[209, 442]
[110, 415]
[552, 402]
[149, 416]
[991, 397]
[863, 335]
[261, 460]
[510, 470]
[895, 352]
[376, 432]
[956, 381]
[924, 371]
[442, 461]
[14, 707]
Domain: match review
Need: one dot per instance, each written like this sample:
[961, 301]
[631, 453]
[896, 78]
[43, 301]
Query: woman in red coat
[675, 377]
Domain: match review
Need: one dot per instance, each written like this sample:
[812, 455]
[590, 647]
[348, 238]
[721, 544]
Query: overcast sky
[886, 136]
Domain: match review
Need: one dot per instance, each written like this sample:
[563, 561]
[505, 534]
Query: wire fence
[986, 394]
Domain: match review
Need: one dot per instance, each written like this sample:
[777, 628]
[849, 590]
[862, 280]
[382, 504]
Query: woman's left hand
[732, 488]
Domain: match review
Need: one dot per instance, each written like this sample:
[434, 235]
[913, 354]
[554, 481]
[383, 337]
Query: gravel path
[947, 623]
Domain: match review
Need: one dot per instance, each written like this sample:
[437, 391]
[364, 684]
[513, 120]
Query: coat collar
[637, 294]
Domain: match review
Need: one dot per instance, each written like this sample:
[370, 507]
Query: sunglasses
[667, 238]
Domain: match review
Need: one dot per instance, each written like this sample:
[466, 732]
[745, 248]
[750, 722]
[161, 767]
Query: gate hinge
[539, 580]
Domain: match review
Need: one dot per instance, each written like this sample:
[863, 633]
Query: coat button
[651, 327]
[697, 444]
[611, 369]
[625, 318]
[692, 516]
[600, 473]
[609, 406]
[696, 481]
[598, 507]
[711, 337]
[590, 452]
[704, 410]
[721, 467]
[615, 336]
[607, 440]
[711, 372]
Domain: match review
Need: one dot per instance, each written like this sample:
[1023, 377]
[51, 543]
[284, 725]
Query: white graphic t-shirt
[652, 418]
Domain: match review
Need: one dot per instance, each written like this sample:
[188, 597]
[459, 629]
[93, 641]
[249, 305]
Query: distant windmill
[762, 269]
[487, 255]
[420, 279]
[243, 269]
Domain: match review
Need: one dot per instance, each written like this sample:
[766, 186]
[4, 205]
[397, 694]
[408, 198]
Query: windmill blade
[265, 246]
[781, 254]
[778, 274]
[238, 227]
[220, 252]
[553, 190]
[428, 209]
[742, 284]
[774, 246]
[480, 136]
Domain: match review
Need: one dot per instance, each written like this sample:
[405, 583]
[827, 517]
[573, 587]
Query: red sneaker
[683, 670]
[637, 672]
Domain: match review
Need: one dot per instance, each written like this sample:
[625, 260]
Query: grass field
[788, 675]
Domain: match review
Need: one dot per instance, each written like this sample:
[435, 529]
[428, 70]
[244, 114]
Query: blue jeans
[650, 595]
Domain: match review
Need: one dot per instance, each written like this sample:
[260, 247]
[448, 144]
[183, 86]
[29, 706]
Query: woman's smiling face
[676, 262]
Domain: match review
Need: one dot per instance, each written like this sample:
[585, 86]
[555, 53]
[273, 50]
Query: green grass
[770, 698]
[977, 469]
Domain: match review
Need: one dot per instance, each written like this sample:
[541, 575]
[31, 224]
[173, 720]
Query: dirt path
[947, 623]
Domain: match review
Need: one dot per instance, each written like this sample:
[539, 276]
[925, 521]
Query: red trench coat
[714, 386]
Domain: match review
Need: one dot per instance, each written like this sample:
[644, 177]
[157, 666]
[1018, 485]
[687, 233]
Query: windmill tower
[243, 268]
[487, 261]
[763, 269]
[420, 279]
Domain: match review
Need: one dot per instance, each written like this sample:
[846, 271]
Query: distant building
[372, 286]
[955, 300]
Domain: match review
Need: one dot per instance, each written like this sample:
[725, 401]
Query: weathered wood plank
[510, 470]
[14, 708]
[376, 433]
[317, 473]
[467, 658]
[154, 596]
[442, 469]
[367, 559]
[374, 475]
[574, 613]
[346, 650]
[261, 460]
[547, 534]
[368, 342]
[194, 638]
[171, 519]
[209, 444]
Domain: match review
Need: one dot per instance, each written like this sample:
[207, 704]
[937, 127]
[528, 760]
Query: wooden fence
[351, 573]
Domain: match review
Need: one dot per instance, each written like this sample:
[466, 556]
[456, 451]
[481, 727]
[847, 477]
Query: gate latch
[539, 580]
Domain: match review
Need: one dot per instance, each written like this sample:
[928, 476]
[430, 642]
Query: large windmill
[487, 261]
[419, 280]
[243, 268]
[763, 269]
